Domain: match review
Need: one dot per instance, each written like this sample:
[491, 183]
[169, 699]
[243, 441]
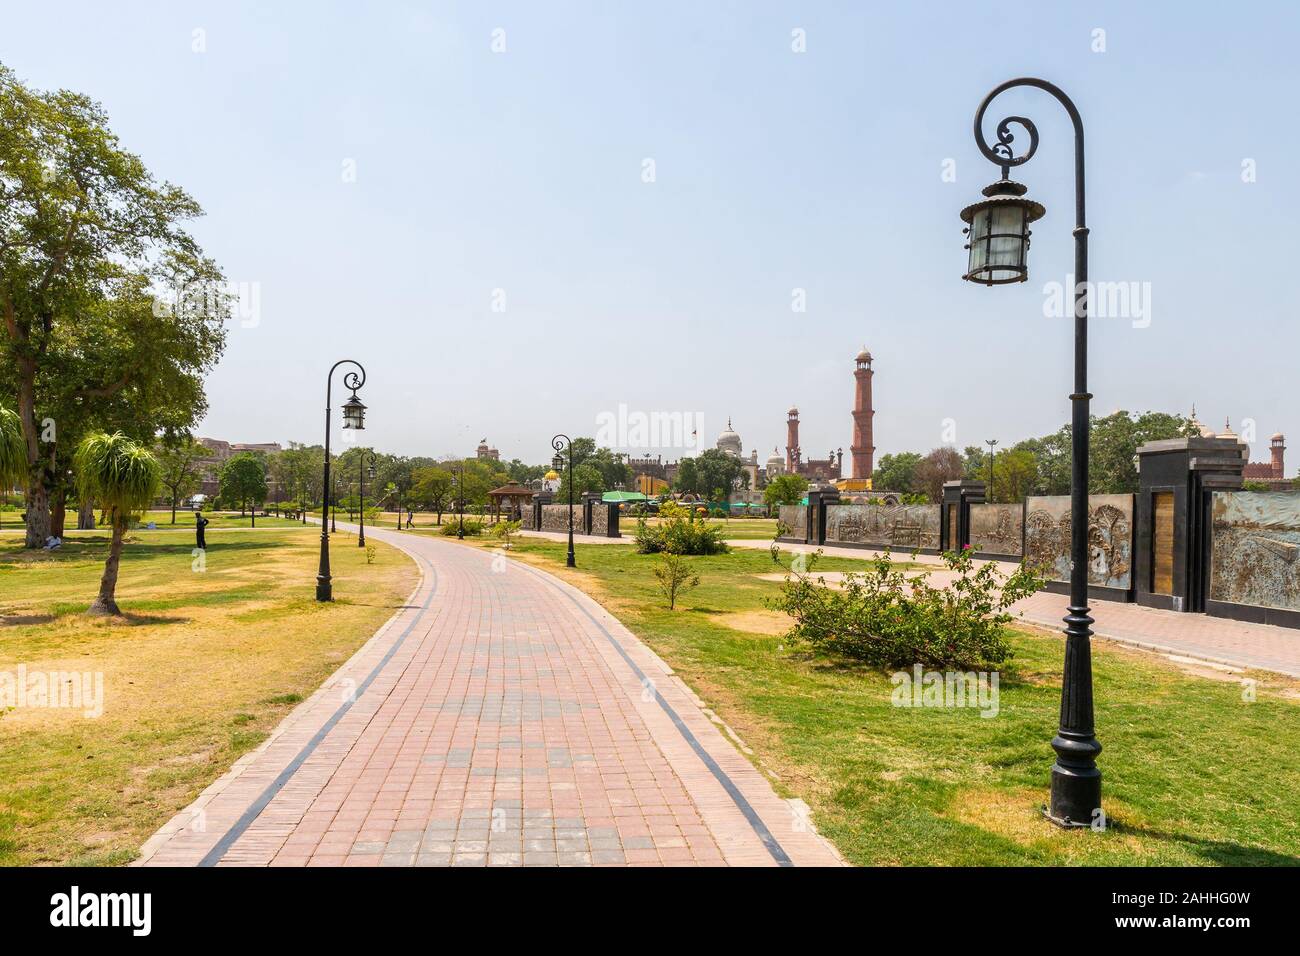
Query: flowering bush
[885, 618]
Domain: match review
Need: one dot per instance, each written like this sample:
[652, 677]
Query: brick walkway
[500, 718]
[1221, 640]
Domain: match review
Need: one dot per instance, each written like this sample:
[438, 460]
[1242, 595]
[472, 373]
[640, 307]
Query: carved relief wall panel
[1255, 546]
[1110, 538]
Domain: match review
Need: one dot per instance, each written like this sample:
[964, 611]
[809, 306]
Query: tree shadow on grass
[18, 620]
[133, 552]
[1218, 852]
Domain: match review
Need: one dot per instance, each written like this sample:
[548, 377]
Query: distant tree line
[1036, 466]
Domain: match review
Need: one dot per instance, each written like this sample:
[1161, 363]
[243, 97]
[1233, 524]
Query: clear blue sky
[522, 171]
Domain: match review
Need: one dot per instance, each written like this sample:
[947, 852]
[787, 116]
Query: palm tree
[123, 476]
[13, 452]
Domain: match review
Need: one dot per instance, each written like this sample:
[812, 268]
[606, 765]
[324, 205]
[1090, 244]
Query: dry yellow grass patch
[198, 672]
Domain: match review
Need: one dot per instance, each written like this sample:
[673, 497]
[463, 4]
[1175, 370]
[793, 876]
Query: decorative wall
[997, 528]
[599, 519]
[1110, 538]
[556, 518]
[1255, 548]
[901, 527]
[795, 518]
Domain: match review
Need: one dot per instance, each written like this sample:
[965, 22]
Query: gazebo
[512, 497]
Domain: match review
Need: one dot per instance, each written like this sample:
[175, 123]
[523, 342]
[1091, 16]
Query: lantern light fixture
[998, 233]
[354, 413]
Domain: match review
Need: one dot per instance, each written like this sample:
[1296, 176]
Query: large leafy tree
[522, 473]
[941, 465]
[712, 474]
[123, 476]
[433, 490]
[586, 477]
[181, 464]
[109, 312]
[785, 490]
[243, 480]
[896, 472]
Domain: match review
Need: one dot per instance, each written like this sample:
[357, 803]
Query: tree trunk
[173, 509]
[86, 516]
[38, 513]
[59, 513]
[106, 603]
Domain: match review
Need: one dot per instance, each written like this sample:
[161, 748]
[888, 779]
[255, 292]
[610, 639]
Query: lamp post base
[1076, 797]
[324, 590]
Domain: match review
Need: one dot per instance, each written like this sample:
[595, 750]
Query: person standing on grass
[200, 523]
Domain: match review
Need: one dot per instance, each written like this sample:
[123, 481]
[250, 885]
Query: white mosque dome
[729, 441]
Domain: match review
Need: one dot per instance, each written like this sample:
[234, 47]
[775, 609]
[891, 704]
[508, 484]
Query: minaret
[1277, 446]
[792, 442]
[862, 449]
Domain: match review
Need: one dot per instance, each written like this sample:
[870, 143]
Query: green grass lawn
[203, 666]
[216, 520]
[1193, 773]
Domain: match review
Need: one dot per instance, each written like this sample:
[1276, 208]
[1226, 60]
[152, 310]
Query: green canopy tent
[622, 496]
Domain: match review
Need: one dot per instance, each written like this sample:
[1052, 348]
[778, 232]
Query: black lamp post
[364, 467]
[563, 443]
[993, 444]
[999, 243]
[354, 416]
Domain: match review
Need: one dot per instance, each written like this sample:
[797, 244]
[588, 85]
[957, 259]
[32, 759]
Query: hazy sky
[516, 180]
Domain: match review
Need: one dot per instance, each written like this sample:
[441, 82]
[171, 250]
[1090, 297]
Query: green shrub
[886, 619]
[679, 532]
[452, 528]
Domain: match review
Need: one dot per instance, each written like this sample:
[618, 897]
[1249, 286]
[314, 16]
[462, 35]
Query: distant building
[484, 453]
[1273, 471]
[220, 453]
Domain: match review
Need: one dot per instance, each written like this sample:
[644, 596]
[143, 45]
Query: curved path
[501, 717]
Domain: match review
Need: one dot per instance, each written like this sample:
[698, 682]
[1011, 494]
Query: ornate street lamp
[363, 468]
[563, 443]
[999, 244]
[354, 417]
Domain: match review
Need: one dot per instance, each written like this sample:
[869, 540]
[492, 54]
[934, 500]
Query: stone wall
[556, 518]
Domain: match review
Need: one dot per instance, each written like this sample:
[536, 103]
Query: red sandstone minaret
[1277, 447]
[862, 449]
[792, 442]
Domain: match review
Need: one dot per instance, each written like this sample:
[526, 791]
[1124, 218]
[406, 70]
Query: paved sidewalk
[500, 718]
[1239, 644]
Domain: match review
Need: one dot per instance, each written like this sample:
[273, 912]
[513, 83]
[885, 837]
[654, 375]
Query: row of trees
[1037, 466]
